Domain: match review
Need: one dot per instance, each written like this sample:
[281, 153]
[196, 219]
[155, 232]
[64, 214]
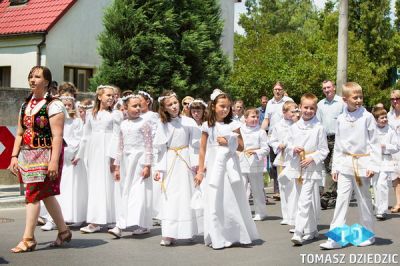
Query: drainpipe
[39, 50]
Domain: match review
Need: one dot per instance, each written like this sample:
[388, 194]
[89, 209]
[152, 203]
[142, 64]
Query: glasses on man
[395, 99]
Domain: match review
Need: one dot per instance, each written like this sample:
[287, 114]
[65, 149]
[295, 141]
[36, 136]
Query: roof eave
[24, 34]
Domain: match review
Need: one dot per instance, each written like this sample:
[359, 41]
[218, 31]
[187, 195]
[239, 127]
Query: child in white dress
[227, 214]
[174, 168]
[252, 159]
[73, 196]
[133, 160]
[153, 118]
[98, 149]
[278, 142]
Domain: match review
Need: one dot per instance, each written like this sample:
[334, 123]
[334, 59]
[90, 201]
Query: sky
[240, 8]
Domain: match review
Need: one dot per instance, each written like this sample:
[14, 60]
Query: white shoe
[310, 236]
[284, 222]
[367, 242]
[292, 230]
[49, 226]
[330, 244]
[297, 240]
[258, 217]
[90, 229]
[165, 242]
[141, 231]
[116, 231]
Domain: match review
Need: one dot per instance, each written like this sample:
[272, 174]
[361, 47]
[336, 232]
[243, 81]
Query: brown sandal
[62, 237]
[29, 243]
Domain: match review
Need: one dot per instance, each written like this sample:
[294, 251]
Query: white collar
[307, 124]
[353, 116]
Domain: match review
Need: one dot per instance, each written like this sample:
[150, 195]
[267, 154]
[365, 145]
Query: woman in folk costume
[98, 148]
[227, 214]
[133, 160]
[37, 156]
[175, 169]
[73, 197]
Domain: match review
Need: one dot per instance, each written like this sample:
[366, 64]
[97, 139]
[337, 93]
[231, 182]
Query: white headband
[215, 94]
[198, 101]
[67, 98]
[161, 98]
[89, 106]
[146, 94]
[127, 97]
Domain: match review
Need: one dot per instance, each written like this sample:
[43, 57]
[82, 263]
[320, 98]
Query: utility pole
[341, 74]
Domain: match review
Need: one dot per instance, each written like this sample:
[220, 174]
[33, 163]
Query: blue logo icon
[355, 234]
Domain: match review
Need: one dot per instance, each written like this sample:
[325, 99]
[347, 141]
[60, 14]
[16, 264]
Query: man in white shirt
[328, 111]
[273, 114]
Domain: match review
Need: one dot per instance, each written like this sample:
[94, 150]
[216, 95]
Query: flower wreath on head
[161, 98]
[86, 107]
[147, 95]
[127, 97]
[215, 94]
[70, 98]
[198, 101]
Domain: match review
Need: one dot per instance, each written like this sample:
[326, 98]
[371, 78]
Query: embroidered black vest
[37, 131]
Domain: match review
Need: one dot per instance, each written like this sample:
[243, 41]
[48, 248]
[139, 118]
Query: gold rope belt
[176, 150]
[355, 157]
[248, 151]
[303, 157]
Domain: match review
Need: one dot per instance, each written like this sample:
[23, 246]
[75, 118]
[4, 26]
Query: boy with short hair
[278, 142]
[252, 159]
[387, 140]
[354, 161]
[308, 147]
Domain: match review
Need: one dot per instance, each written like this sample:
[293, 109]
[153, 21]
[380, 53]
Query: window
[79, 76]
[5, 76]
[18, 2]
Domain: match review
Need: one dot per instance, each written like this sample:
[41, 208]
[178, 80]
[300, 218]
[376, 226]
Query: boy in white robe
[278, 142]
[308, 146]
[252, 159]
[354, 161]
[387, 140]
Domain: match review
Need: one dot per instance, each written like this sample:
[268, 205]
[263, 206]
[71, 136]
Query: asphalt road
[274, 247]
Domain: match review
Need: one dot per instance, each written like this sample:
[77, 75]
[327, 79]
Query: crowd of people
[192, 166]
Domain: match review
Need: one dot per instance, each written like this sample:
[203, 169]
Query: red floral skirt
[38, 191]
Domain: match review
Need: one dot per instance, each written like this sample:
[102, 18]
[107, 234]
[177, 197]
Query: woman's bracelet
[16, 156]
[200, 173]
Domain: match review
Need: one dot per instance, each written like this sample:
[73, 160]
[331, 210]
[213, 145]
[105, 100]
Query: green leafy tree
[300, 50]
[157, 45]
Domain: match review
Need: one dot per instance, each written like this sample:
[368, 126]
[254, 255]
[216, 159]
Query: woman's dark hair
[211, 119]
[164, 115]
[46, 75]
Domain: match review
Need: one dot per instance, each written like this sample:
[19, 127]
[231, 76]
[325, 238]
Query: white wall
[73, 40]
[20, 54]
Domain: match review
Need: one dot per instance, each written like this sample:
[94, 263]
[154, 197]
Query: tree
[162, 45]
[300, 51]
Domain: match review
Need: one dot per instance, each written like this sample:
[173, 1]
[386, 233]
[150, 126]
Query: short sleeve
[204, 127]
[56, 107]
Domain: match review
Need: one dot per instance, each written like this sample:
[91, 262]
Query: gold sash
[355, 157]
